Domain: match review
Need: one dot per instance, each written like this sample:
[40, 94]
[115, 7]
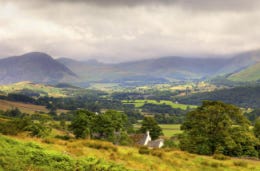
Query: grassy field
[140, 103]
[169, 130]
[24, 107]
[39, 88]
[25, 153]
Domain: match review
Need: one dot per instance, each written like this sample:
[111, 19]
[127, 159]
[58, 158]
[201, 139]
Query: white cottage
[146, 140]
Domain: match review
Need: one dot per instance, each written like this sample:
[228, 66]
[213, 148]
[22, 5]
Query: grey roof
[155, 143]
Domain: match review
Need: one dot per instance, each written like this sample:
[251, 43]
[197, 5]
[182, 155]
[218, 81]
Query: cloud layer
[118, 30]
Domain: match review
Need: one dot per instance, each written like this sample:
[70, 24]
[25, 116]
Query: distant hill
[246, 96]
[162, 69]
[42, 68]
[34, 67]
[251, 73]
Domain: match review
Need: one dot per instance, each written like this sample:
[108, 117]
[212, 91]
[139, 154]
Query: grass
[169, 130]
[25, 153]
[140, 103]
[24, 107]
[39, 88]
[249, 74]
[16, 156]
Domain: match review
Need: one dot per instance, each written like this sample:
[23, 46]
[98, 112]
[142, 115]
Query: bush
[157, 153]
[63, 137]
[170, 144]
[220, 157]
[15, 156]
[240, 163]
[101, 145]
[144, 150]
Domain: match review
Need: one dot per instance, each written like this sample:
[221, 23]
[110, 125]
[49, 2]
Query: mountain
[249, 74]
[42, 68]
[162, 69]
[34, 67]
[251, 61]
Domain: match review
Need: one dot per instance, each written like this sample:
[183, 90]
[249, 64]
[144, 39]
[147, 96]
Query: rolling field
[170, 130]
[39, 88]
[140, 103]
[24, 107]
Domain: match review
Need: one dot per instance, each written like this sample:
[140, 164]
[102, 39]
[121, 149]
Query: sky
[125, 30]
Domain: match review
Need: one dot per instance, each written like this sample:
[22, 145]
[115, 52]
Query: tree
[257, 128]
[112, 126]
[82, 123]
[150, 124]
[216, 127]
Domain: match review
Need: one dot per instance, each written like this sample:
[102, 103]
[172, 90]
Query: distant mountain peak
[35, 67]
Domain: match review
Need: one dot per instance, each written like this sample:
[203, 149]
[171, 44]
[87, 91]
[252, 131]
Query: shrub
[170, 144]
[63, 137]
[220, 157]
[157, 153]
[101, 145]
[240, 163]
[144, 150]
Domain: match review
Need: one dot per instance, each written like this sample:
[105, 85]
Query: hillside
[240, 96]
[24, 107]
[33, 89]
[34, 67]
[41, 68]
[33, 154]
[249, 74]
[162, 69]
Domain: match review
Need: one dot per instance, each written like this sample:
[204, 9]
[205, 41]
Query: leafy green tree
[82, 123]
[150, 124]
[38, 130]
[216, 127]
[252, 116]
[112, 126]
[257, 128]
[14, 113]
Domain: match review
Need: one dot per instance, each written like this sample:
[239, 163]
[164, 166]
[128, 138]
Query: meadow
[25, 107]
[38, 88]
[25, 153]
[140, 103]
[169, 130]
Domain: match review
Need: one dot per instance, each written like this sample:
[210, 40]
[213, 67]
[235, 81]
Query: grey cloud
[128, 30]
[195, 5]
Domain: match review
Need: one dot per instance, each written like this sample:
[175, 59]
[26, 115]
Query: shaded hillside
[162, 69]
[93, 71]
[35, 67]
[240, 96]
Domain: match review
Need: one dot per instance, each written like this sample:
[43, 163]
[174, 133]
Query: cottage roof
[155, 143]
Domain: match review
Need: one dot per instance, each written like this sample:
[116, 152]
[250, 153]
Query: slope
[161, 69]
[99, 155]
[251, 73]
[35, 67]
[25, 107]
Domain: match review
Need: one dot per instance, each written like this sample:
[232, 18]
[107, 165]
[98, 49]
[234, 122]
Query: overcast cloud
[120, 30]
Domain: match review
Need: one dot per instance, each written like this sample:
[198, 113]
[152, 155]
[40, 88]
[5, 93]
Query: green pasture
[140, 103]
[169, 130]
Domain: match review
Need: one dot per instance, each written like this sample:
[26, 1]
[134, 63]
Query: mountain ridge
[35, 67]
